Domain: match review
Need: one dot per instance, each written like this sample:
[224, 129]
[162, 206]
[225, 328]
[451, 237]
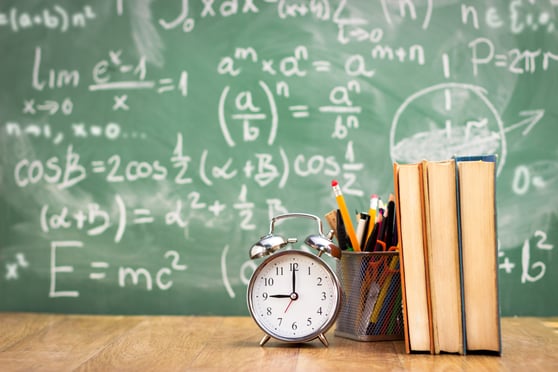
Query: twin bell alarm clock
[293, 295]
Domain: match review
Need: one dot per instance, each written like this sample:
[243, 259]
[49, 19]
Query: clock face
[294, 296]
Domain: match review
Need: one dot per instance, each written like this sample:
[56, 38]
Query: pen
[350, 230]
[393, 227]
[388, 224]
[381, 223]
[341, 234]
[362, 228]
[372, 214]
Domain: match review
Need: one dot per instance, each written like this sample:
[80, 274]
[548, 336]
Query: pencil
[372, 240]
[345, 215]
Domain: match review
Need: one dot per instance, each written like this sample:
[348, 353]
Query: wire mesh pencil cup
[371, 309]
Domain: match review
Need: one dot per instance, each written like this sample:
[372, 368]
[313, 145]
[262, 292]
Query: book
[477, 231]
[448, 252]
[442, 250]
[413, 265]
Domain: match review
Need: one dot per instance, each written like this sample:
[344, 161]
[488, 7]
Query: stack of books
[449, 273]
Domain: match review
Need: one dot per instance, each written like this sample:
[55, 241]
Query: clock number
[279, 271]
[324, 297]
[308, 322]
[264, 295]
[293, 266]
[280, 321]
[269, 311]
[294, 326]
[319, 310]
[319, 281]
[309, 270]
[268, 281]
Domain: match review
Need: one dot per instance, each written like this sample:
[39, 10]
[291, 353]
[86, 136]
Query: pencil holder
[371, 309]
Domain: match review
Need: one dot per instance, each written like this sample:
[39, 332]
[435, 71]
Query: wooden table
[166, 343]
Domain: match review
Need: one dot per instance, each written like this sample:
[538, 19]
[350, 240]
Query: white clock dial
[294, 296]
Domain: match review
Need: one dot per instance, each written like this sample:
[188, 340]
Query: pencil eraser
[334, 183]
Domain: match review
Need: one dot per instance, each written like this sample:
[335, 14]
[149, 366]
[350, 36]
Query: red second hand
[289, 305]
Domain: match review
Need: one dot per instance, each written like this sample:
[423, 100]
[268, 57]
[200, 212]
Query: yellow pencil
[345, 215]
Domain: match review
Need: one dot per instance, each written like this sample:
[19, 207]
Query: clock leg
[323, 339]
[264, 340]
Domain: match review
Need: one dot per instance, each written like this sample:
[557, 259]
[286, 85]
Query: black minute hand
[294, 280]
[280, 296]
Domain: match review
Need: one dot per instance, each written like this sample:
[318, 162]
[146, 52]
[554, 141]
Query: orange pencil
[345, 215]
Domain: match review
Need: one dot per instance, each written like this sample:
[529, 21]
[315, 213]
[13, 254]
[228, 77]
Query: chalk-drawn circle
[446, 120]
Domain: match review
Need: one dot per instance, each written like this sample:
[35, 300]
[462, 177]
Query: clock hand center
[293, 296]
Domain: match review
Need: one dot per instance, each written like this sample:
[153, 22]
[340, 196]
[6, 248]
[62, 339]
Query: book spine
[460, 252]
[494, 159]
[401, 263]
[425, 217]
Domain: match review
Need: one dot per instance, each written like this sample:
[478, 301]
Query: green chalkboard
[145, 145]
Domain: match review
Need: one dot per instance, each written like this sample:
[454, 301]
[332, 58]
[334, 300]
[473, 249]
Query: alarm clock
[293, 295]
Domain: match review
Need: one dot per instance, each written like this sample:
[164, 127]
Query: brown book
[442, 249]
[477, 211]
[413, 267]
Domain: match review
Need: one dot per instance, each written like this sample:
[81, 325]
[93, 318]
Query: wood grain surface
[45, 342]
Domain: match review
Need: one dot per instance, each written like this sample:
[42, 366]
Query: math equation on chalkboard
[145, 145]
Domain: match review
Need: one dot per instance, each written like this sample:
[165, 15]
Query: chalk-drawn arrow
[532, 118]
[50, 106]
[360, 34]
